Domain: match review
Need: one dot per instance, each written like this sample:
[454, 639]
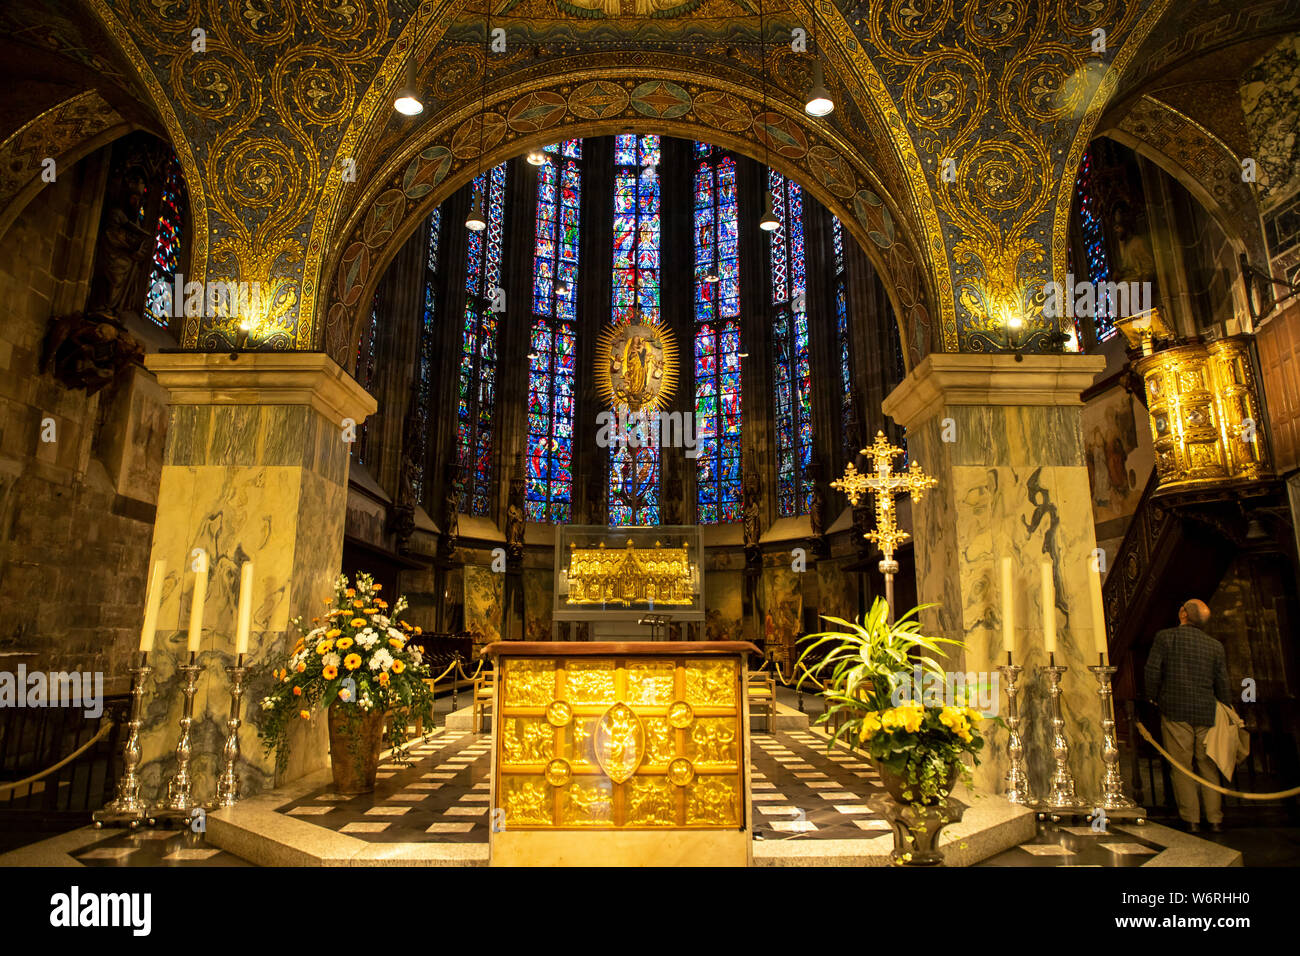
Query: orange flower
[304, 714]
[383, 679]
[301, 667]
[377, 587]
[345, 643]
[379, 603]
[398, 667]
[417, 629]
[358, 622]
[329, 672]
[324, 647]
[352, 661]
[333, 632]
[372, 610]
[315, 620]
[297, 692]
[329, 600]
[358, 603]
[396, 642]
[351, 592]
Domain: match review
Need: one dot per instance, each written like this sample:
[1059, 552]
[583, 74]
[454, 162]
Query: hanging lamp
[475, 221]
[818, 102]
[407, 102]
[768, 222]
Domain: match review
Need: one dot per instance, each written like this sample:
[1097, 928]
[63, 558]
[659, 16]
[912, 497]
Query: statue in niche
[1134, 260]
[817, 509]
[674, 495]
[450, 512]
[751, 495]
[124, 250]
[515, 516]
[89, 351]
[401, 515]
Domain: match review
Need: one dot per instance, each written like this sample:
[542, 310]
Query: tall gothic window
[552, 357]
[634, 467]
[426, 360]
[366, 371]
[1094, 245]
[478, 357]
[158, 303]
[717, 337]
[842, 340]
[792, 371]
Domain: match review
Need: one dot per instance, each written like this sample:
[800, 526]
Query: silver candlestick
[180, 802]
[128, 809]
[1112, 784]
[1062, 796]
[1016, 782]
[228, 782]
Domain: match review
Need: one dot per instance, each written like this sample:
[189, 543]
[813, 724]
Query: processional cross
[883, 483]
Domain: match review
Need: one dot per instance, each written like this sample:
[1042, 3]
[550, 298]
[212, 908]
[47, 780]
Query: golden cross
[883, 483]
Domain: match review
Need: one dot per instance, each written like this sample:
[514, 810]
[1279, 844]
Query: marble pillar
[255, 469]
[1004, 438]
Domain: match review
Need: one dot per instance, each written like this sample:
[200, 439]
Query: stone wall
[76, 513]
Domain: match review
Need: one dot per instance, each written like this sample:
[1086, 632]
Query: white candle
[1008, 610]
[196, 601]
[1099, 616]
[151, 603]
[1049, 609]
[245, 608]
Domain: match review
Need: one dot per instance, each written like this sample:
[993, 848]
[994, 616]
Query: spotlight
[536, 157]
[769, 222]
[711, 276]
[561, 287]
[408, 100]
[819, 102]
[475, 221]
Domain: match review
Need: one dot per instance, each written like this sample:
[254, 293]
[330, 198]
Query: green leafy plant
[359, 654]
[862, 668]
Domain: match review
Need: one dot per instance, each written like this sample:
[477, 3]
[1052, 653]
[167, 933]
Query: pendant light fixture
[407, 102]
[536, 157]
[819, 102]
[768, 222]
[475, 222]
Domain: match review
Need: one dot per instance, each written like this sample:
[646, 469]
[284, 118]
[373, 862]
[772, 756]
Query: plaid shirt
[1186, 671]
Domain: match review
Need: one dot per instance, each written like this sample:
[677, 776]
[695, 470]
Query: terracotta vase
[355, 741]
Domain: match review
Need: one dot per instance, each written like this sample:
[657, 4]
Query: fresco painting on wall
[483, 604]
[1118, 454]
[724, 603]
[538, 604]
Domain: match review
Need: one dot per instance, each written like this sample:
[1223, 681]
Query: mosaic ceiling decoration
[950, 156]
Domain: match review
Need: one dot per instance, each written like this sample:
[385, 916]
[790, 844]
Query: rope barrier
[108, 725]
[476, 673]
[450, 666]
[1279, 795]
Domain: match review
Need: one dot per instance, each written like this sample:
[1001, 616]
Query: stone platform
[809, 808]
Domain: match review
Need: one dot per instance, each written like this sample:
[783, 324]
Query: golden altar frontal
[620, 753]
[631, 575]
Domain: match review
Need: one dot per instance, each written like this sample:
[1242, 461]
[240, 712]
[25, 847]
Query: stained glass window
[425, 367]
[842, 337]
[792, 371]
[634, 466]
[1094, 244]
[478, 360]
[552, 357]
[366, 370]
[717, 339]
[158, 303]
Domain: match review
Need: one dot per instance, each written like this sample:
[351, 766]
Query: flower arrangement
[358, 654]
[866, 667]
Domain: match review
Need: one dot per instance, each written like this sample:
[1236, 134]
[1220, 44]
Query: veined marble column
[255, 468]
[1004, 439]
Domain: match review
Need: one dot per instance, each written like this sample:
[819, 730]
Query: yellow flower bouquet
[357, 659]
[866, 671]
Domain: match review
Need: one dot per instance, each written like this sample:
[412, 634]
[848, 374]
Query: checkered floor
[146, 847]
[443, 796]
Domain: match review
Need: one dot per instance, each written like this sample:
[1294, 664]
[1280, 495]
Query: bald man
[1186, 672]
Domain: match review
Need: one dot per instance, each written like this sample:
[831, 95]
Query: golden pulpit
[620, 754]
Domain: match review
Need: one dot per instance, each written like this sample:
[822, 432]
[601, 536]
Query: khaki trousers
[1186, 743]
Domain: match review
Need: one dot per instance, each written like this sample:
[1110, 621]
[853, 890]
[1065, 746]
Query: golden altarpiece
[621, 753]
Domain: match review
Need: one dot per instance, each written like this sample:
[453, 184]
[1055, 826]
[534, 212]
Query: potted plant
[357, 663]
[869, 672]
